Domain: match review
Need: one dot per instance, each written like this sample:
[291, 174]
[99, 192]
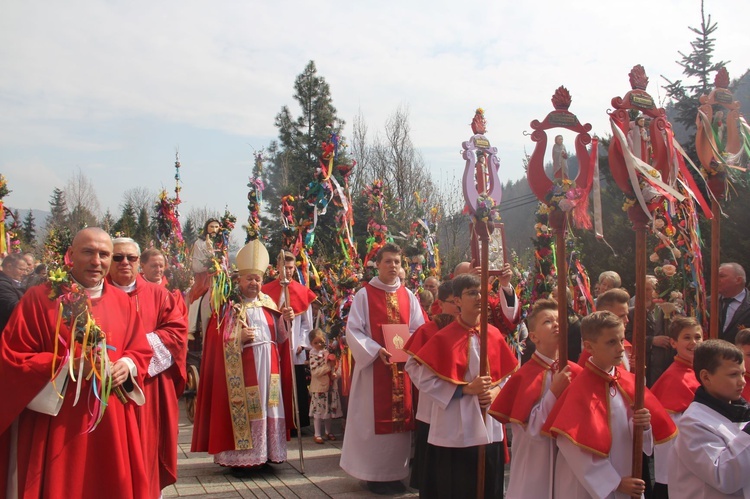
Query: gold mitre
[252, 258]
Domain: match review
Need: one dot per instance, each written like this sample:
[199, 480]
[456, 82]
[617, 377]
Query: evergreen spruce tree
[107, 222]
[28, 230]
[699, 70]
[59, 214]
[188, 234]
[127, 224]
[143, 234]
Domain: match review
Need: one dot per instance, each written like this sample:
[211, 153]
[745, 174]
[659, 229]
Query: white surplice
[533, 465]
[457, 421]
[301, 327]
[710, 458]
[581, 474]
[662, 453]
[365, 455]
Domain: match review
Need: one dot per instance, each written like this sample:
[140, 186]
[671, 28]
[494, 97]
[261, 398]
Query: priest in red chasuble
[377, 442]
[165, 326]
[243, 408]
[300, 298]
[64, 433]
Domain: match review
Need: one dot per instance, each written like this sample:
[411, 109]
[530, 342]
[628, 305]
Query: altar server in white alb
[377, 442]
[711, 455]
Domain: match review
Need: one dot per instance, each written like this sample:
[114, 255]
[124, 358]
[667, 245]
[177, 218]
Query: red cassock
[55, 455]
[523, 391]
[675, 388]
[159, 417]
[582, 411]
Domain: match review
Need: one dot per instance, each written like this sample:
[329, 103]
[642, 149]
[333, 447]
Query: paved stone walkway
[198, 476]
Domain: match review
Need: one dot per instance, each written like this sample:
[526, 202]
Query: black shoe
[380, 488]
[397, 487]
[241, 472]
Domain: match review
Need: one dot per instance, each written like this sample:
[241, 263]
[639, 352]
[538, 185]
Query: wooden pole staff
[484, 238]
[639, 332]
[295, 407]
[562, 295]
[713, 329]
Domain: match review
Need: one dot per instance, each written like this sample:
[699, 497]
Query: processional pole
[718, 143]
[638, 170]
[562, 196]
[295, 406]
[483, 193]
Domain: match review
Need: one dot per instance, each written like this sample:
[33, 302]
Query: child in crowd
[615, 301]
[593, 420]
[711, 455]
[451, 379]
[743, 343]
[325, 403]
[675, 389]
[527, 399]
[448, 314]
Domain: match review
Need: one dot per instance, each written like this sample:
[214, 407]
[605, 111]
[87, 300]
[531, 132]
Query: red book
[396, 336]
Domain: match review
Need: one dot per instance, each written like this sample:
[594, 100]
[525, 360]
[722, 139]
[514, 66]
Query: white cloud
[79, 76]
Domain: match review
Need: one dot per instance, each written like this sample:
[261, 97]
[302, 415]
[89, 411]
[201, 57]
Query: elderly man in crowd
[165, 325]
[15, 269]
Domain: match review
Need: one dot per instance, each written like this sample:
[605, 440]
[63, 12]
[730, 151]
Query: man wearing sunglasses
[165, 325]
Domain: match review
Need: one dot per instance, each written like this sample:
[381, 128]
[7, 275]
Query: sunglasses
[119, 258]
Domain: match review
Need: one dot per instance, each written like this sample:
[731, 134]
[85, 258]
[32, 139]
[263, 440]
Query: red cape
[523, 391]
[159, 417]
[447, 353]
[55, 454]
[420, 337]
[300, 296]
[582, 411]
[675, 388]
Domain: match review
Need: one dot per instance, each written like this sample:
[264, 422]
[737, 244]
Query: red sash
[391, 384]
[582, 411]
[675, 388]
[523, 391]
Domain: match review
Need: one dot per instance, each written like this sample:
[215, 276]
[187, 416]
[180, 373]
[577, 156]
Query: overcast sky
[115, 87]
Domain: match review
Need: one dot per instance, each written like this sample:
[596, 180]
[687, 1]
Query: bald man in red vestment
[46, 449]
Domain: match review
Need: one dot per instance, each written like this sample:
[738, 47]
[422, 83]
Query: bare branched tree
[82, 201]
[198, 216]
[361, 152]
[139, 197]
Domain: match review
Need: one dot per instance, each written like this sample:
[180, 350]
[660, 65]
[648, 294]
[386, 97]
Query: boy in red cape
[415, 370]
[527, 399]
[593, 419]
[458, 394]
[675, 389]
